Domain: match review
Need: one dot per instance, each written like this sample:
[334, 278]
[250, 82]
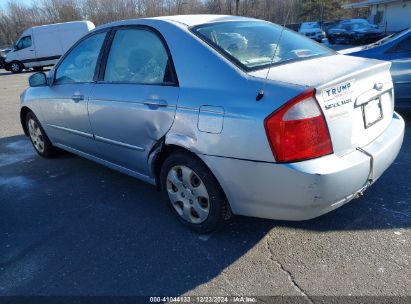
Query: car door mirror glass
[38, 80]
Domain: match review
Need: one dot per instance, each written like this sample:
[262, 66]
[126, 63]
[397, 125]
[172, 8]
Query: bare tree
[16, 17]
[61, 10]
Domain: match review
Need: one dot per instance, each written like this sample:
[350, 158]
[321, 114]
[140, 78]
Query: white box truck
[42, 46]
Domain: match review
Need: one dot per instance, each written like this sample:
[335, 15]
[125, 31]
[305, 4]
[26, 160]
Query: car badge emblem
[378, 86]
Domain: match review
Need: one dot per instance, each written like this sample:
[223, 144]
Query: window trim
[236, 62]
[98, 62]
[103, 65]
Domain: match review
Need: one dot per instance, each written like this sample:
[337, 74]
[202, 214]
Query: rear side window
[24, 42]
[138, 56]
[79, 65]
[253, 45]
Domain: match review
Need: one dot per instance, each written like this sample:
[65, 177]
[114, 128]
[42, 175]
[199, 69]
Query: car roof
[193, 20]
[187, 20]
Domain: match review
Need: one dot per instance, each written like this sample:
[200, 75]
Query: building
[390, 15]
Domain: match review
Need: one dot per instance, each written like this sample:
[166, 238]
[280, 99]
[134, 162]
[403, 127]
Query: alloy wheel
[36, 135]
[188, 194]
[15, 67]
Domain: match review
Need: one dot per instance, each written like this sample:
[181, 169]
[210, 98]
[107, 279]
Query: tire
[193, 193]
[38, 69]
[331, 40]
[16, 67]
[38, 137]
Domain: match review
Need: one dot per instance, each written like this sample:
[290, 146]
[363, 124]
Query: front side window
[138, 56]
[24, 42]
[256, 44]
[79, 65]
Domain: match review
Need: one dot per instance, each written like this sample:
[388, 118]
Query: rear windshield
[252, 45]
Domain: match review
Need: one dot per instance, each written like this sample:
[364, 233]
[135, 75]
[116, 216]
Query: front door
[65, 105]
[25, 51]
[133, 104]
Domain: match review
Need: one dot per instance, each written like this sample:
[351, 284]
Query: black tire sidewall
[219, 212]
[20, 65]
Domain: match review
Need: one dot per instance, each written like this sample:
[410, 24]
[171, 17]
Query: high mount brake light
[298, 130]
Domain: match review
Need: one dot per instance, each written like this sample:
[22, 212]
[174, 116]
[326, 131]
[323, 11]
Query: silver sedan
[225, 115]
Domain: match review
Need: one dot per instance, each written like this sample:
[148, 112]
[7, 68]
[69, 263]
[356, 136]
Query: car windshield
[362, 26]
[255, 45]
[310, 25]
[341, 26]
[358, 21]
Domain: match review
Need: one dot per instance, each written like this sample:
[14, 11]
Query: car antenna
[260, 94]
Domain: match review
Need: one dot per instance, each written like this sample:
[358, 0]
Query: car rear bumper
[304, 190]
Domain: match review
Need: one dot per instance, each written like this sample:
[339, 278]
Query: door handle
[77, 98]
[156, 102]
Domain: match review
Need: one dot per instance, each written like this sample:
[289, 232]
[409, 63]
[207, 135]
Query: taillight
[298, 131]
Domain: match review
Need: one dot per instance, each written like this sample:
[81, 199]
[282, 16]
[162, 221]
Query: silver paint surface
[214, 114]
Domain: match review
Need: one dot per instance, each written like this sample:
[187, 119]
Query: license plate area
[372, 112]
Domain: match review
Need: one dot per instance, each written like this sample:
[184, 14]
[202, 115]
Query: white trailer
[42, 46]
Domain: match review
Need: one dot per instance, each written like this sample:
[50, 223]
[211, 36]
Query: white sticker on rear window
[339, 90]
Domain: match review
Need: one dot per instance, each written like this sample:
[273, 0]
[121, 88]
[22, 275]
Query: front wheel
[193, 192]
[38, 137]
[16, 67]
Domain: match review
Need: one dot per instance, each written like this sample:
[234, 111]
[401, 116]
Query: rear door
[133, 104]
[48, 53]
[65, 105]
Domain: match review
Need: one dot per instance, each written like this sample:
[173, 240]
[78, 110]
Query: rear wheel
[16, 67]
[38, 137]
[194, 193]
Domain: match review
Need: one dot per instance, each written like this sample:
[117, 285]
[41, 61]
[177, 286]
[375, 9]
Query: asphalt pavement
[70, 227]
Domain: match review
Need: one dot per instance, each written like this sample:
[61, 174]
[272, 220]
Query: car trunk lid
[355, 94]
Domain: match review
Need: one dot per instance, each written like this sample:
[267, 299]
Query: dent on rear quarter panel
[207, 80]
[242, 132]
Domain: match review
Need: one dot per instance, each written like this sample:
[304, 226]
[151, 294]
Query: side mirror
[38, 80]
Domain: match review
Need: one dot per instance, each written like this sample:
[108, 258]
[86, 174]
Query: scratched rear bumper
[308, 189]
